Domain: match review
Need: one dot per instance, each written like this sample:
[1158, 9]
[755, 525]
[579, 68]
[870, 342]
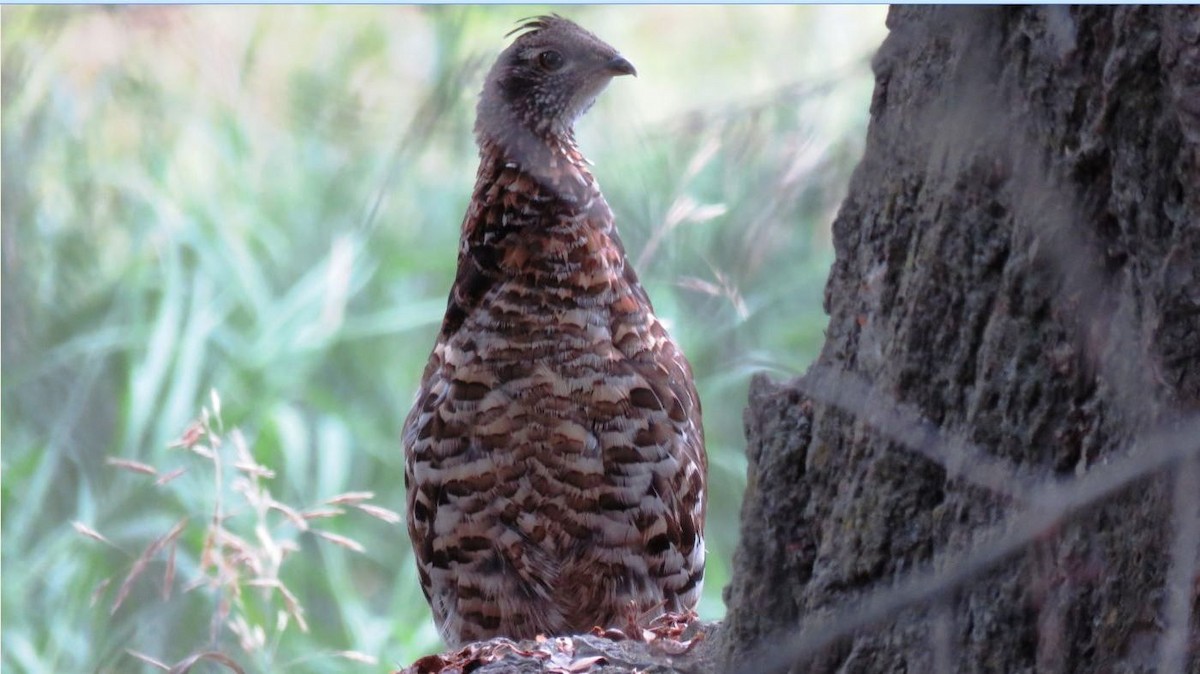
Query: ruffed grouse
[554, 457]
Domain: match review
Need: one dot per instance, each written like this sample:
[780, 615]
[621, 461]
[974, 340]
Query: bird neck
[553, 162]
[543, 220]
[545, 232]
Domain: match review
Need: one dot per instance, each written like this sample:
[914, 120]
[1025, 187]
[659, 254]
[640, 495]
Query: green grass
[265, 202]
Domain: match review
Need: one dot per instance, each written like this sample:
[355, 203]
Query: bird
[554, 455]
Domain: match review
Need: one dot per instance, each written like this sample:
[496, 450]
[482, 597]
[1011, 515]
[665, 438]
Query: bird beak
[619, 66]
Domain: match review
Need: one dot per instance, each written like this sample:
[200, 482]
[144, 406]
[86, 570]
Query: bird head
[542, 83]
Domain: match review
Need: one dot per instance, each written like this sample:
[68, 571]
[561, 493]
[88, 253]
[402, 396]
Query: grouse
[554, 456]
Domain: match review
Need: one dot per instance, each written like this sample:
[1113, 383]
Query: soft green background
[266, 201]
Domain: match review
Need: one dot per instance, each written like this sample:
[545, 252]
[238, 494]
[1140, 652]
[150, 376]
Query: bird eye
[550, 60]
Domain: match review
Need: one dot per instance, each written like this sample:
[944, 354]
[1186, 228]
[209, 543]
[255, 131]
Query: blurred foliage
[265, 202]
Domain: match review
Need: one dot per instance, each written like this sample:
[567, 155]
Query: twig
[1173, 648]
[905, 425]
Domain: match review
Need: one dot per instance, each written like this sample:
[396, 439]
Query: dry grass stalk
[143, 560]
[89, 532]
[148, 660]
[99, 591]
[355, 656]
[294, 609]
[341, 540]
[351, 497]
[185, 665]
[389, 516]
[229, 561]
[166, 478]
[132, 466]
[322, 513]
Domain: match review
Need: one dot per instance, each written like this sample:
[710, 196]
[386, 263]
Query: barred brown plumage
[554, 455]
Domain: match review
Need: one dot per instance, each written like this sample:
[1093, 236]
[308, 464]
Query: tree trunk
[992, 465]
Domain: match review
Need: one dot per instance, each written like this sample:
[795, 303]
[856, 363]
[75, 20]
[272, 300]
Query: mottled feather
[554, 455]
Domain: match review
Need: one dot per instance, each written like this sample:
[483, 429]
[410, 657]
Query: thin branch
[792, 92]
[941, 638]
[904, 424]
[1173, 648]
[430, 112]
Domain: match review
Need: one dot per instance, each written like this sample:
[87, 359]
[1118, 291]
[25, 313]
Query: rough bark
[1015, 303]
